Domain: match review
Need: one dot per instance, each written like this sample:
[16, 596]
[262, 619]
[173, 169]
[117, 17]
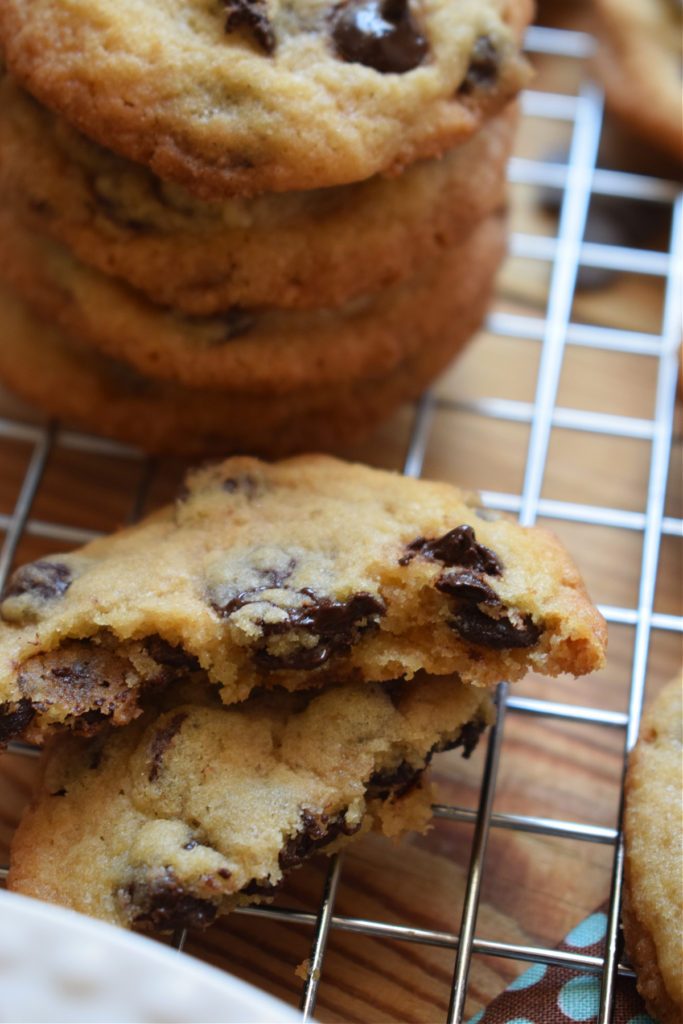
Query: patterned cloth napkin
[558, 995]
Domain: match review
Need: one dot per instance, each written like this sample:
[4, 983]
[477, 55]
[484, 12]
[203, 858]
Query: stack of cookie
[263, 670]
[248, 225]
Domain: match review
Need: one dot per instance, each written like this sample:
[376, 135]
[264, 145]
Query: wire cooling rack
[557, 331]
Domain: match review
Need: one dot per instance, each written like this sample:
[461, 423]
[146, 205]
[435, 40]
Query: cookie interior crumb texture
[197, 808]
[290, 574]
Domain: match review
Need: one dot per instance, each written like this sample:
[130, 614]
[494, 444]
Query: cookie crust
[163, 84]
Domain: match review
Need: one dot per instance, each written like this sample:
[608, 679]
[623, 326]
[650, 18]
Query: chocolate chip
[467, 586]
[245, 583]
[259, 887]
[393, 781]
[161, 742]
[14, 718]
[467, 739]
[31, 586]
[88, 723]
[164, 905]
[59, 792]
[252, 15]
[496, 633]
[491, 627]
[482, 72]
[172, 655]
[337, 624]
[315, 831]
[381, 34]
[457, 547]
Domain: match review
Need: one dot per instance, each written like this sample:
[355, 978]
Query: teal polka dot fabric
[555, 995]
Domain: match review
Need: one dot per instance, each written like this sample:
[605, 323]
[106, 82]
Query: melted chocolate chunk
[165, 906]
[482, 72]
[381, 34]
[268, 579]
[14, 721]
[495, 628]
[88, 723]
[42, 579]
[400, 780]
[393, 781]
[457, 547]
[492, 628]
[172, 655]
[315, 831]
[467, 739]
[259, 887]
[162, 741]
[467, 586]
[252, 15]
[496, 633]
[337, 624]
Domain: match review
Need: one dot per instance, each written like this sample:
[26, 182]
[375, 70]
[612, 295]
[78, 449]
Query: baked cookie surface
[294, 249]
[238, 97]
[291, 574]
[653, 830]
[196, 808]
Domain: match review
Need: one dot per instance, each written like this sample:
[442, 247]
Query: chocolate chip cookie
[235, 97]
[293, 574]
[268, 351]
[640, 63]
[653, 830]
[197, 808]
[295, 249]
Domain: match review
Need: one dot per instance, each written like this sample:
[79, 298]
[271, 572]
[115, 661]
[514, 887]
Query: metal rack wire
[578, 181]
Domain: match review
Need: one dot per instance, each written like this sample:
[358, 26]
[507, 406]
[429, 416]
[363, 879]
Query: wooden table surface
[535, 888]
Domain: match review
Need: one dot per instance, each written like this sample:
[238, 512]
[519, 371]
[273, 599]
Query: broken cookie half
[295, 574]
[196, 807]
